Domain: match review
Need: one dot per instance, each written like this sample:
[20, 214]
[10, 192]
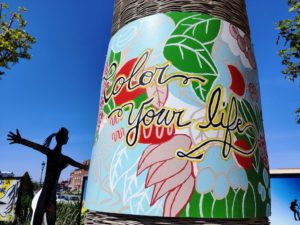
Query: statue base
[95, 218]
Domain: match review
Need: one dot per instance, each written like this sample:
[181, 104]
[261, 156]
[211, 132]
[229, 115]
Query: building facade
[6, 174]
[76, 178]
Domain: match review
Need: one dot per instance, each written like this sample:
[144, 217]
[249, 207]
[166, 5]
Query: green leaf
[219, 209]
[108, 107]
[4, 5]
[207, 205]
[249, 202]
[251, 115]
[114, 57]
[194, 210]
[230, 200]
[138, 101]
[189, 55]
[254, 179]
[190, 46]
[203, 27]
[202, 90]
[237, 207]
[15, 42]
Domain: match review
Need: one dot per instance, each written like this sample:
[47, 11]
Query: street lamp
[43, 166]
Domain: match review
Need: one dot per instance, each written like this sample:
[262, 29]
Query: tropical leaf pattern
[160, 94]
[189, 47]
[134, 196]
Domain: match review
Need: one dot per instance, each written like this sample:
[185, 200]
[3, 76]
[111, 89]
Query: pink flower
[101, 103]
[169, 175]
[105, 72]
[106, 86]
[249, 55]
[241, 43]
[234, 31]
[263, 150]
[100, 118]
[244, 44]
[247, 43]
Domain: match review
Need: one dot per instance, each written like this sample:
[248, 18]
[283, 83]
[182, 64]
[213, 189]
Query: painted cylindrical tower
[180, 137]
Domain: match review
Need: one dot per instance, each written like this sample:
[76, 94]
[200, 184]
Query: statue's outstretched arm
[15, 138]
[72, 162]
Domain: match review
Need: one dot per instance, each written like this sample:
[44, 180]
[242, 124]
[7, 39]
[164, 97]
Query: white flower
[217, 175]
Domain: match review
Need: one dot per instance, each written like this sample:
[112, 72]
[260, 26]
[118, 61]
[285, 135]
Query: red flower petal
[243, 161]
[156, 134]
[124, 95]
[237, 81]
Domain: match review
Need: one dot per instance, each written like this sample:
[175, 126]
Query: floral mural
[9, 191]
[179, 130]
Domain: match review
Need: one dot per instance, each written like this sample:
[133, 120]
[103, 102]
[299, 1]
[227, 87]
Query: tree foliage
[26, 196]
[289, 32]
[15, 42]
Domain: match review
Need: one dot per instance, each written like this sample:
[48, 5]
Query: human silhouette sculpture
[56, 162]
[295, 208]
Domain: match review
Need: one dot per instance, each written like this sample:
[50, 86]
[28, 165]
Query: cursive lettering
[142, 78]
[146, 116]
[220, 118]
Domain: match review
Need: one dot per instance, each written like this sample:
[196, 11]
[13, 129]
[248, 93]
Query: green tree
[15, 42]
[289, 32]
[26, 195]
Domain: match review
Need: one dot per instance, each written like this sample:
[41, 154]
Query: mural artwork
[180, 131]
[9, 191]
[286, 195]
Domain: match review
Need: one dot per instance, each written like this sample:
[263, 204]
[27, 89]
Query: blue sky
[60, 85]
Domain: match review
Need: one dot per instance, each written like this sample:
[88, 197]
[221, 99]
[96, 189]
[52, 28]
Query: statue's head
[62, 136]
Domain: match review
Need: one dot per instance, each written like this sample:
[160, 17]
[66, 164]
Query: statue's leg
[51, 213]
[295, 214]
[40, 210]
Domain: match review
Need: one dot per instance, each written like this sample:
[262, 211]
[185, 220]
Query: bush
[25, 209]
[67, 214]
